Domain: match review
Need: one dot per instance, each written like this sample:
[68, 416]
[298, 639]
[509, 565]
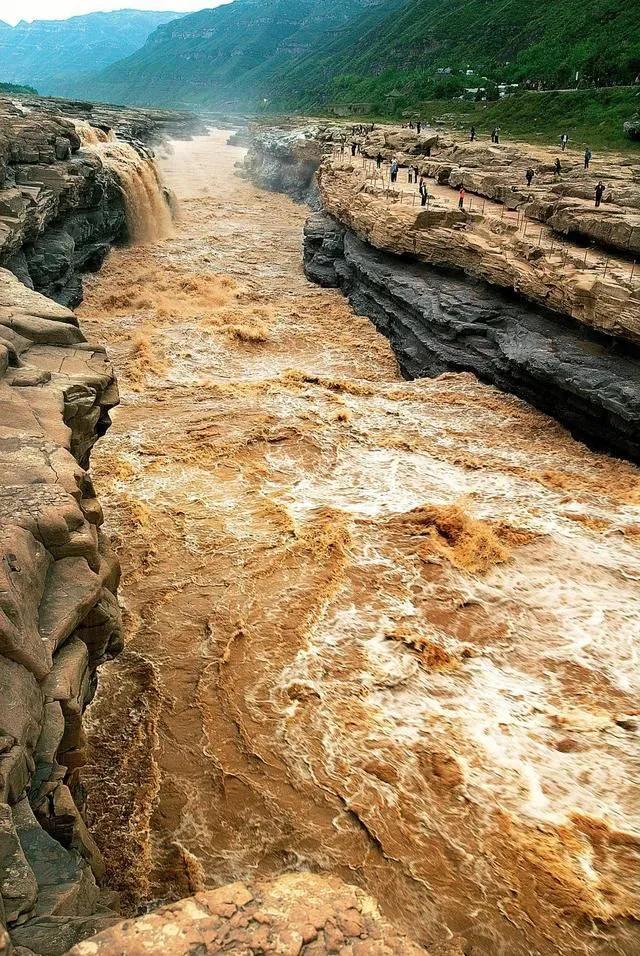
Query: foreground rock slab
[298, 913]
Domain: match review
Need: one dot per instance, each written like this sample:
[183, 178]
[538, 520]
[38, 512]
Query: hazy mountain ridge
[226, 55]
[53, 54]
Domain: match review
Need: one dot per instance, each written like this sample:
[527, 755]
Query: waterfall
[147, 207]
[92, 135]
[148, 213]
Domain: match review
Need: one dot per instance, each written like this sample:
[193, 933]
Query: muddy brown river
[383, 629]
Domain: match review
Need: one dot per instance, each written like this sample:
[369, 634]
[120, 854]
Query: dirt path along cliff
[377, 628]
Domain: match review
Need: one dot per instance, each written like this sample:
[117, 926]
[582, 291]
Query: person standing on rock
[529, 176]
[600, 188]
[587, 157]
[564, 139]
[416, 173]
[394, 171]
[410, 176]
[461, 196]
[419, 126]
[424, 195]
[557, 168]
[472, 134]
[353, 149]
[379, 160]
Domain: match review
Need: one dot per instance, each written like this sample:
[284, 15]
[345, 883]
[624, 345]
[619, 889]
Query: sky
[12, 11]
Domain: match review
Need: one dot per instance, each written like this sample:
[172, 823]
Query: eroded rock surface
[59, 618]
[472, 290]
[439, 321]
[61, 203]
[298, 913]
[60, 210]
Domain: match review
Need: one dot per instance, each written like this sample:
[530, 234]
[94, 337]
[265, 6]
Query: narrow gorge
[375, 686]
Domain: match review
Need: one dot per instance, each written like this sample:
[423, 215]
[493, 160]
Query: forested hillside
[535, 44]
[230, 55]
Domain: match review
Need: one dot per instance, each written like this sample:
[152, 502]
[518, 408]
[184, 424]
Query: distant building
[505, 88]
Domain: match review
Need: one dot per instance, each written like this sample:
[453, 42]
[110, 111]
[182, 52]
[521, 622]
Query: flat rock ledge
[59, 619]
[299, 914]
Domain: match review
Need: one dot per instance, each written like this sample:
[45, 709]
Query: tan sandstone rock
[297, 914]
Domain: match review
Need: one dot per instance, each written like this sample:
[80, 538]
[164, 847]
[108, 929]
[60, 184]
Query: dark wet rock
[444, 321]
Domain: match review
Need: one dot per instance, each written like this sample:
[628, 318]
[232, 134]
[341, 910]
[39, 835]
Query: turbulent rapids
[382, 629]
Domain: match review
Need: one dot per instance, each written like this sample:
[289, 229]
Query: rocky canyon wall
[68, 190]
[456, 291]
[69, 173]
[59, 616]
[439, 321]
[286, 161]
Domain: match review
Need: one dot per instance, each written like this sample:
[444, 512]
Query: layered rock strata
[59, 617]
[462, 290]
[129, 123]
[286, 161]
[60, 210]
[487, 247]
[63, 202]
[440, 321]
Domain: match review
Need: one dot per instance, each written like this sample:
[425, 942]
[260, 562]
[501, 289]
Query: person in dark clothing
[353, 149]
[424, 195]
[419, 126]
[461, 196]
[529, 176]
[557, 167]
[379, 160]
[410, 176]
[587, 157]
[497, 134]
[394, 171]
[472, 134]
[416, 172]
[600, 188]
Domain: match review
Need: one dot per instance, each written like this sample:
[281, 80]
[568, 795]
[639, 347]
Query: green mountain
[383, 55]
[231, 55]
[401, 59]
[52, 54]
